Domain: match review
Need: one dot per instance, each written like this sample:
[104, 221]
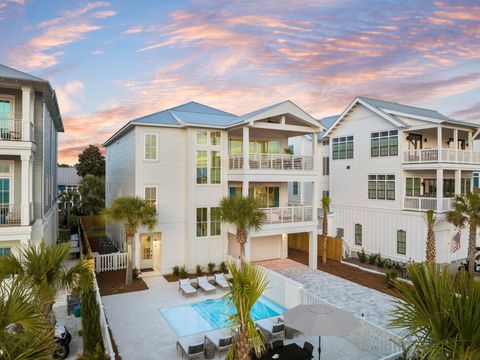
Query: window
[465, 185]
[202, 222]
[295, 188]
[202, 167]
[342, 148]
[235, 147]
[381, 187]
[215, 221]
[326, 165]
[325, 194]
[215, 167]
[4, 251]
[202, 137]
[340, 232]
[401, 242]
[475, 181]
[4, 168]
[412, 186]
[215, 137]
[384, 143]
[358, 234]
[151, 196]
[4, 190]
[266, 196]
[150, 147]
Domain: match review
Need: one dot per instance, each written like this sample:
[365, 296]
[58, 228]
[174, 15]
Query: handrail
[288, 214]
[272, 161]
[419, 156]
[12, 129]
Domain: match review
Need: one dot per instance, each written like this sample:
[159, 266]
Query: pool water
[208, 315]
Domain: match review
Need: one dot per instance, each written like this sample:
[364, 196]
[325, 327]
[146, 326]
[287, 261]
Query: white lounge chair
[203, 284]
[221, 281]
[273, 329]
[185, 287]
[192, 347]
[221, 339]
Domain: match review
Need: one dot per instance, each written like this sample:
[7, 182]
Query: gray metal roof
[67, 176]
[162, 117]
[416, 111]
[246, 116]
[10, 73]
[326, 122]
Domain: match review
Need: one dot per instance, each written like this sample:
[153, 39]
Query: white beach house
[185, 159]
[29, 124]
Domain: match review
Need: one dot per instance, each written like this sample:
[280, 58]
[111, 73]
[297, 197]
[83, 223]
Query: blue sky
[113, 61]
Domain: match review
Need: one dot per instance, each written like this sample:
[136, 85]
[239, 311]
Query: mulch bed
[113, 282]
[362, 277]
[175, 278]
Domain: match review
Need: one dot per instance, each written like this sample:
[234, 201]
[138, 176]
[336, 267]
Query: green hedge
[92, 334]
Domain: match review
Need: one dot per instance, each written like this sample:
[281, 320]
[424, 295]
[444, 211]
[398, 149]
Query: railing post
[115, 262]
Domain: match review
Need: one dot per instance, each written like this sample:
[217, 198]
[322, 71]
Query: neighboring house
[389, 164]
[185, 159]
[29, 123]
[67, 179]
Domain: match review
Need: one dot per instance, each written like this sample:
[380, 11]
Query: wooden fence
[110, 262]
[300, 241]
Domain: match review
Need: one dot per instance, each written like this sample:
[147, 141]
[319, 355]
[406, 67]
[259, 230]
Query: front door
[146, 251]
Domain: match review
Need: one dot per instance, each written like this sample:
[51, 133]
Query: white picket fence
[110, 262]
[107, 341]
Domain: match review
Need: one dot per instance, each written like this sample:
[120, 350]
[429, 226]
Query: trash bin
[76, 310]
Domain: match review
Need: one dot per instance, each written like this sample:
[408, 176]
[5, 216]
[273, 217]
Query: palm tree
[325, 207]
[245, 214]
[92, 189]
[24, 332]
[247, 285]
[43, 268]
[430, 220]
[466, 209]
[440, 312]
[67, 199]
[133, 212]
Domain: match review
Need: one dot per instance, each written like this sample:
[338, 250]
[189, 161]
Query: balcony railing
[273, 162]
[289, 214]
[16, 130]
[421, 156]
[426, 203]
[10, 215]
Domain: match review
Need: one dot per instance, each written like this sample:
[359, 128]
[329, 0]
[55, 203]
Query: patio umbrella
[320, 320]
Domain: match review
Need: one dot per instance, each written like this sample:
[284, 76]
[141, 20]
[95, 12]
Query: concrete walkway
[374, 305]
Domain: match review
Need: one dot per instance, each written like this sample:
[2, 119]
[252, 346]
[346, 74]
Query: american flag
[456, 242]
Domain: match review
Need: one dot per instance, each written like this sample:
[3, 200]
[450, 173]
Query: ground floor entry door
[146, 251]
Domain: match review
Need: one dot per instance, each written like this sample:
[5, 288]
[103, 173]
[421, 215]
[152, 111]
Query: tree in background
[431, 252]
[325, 207]
[68, 200]
[132, 212]
[466, 210]
[92, 189]
[245, 214]
[91, 161]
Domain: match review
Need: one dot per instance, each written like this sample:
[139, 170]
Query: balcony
[423, 156]
[288, 214]
[426, 203]
[272, 162]
[16, 130]
[11, 215]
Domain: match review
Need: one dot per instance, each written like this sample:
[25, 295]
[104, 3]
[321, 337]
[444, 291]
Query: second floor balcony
[15, 130]
[420, 203]
[288, 214]
[423, 156]
[11, 215]
[272, 162]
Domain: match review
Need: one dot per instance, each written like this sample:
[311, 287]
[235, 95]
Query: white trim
[156, 146]
[156, 193]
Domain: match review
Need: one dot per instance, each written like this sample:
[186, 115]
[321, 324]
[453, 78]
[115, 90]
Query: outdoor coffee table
[288, 352]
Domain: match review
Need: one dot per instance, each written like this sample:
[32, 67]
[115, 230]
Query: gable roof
[7, 72]
[327, 122]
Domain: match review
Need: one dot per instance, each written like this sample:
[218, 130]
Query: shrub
[380, 262]
[99, 353]
[90, 316]
[183, 272]
[388, 263]
[211, 267]
[176, 270]
[199, 270]
[135, 273]
[390, 276]
[223, 267]
[372, 259]
[362, 256]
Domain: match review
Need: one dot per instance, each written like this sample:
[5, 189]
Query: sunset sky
[112, 61]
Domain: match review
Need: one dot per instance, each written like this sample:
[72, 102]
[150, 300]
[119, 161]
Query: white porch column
[246, 148]
[245, 185]
[458, 183]
[312, 249]
[27, 111]
[470, 146]
[284, 248]
[439, 142]
[302, 192]
[315, 151]
[439, 190]
[302, 145]
[455, 146]
[25, 209]
[248, 249]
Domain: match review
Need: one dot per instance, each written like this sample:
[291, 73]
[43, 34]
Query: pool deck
[141, 331]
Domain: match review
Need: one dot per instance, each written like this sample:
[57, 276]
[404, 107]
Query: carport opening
[298, 247]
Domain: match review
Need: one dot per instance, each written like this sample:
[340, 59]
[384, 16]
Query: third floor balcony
[458, 156]
[15, 130]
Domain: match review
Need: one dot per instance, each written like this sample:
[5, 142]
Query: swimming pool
[208, 315]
